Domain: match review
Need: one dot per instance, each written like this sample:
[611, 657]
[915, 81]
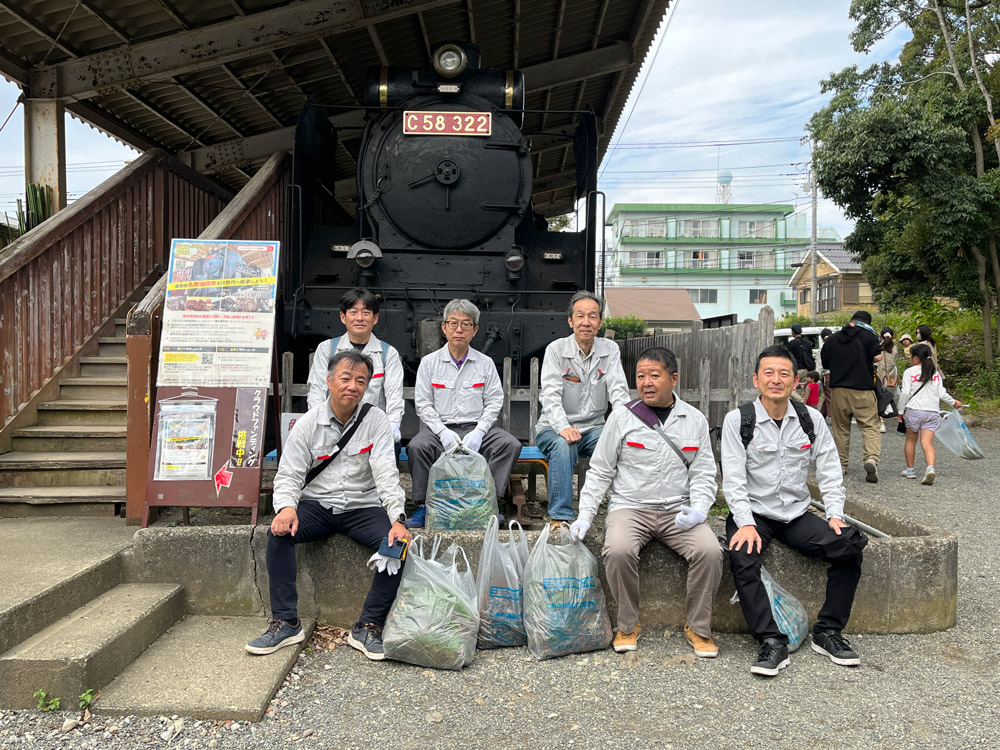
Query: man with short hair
[767, 451]
[357, 494]
[656, 457]
[359, 314]
[581, 375]
[851, 354]
[458, 396]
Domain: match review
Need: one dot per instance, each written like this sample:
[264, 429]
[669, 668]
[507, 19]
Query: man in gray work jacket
[356, 494]
[656, 456]
[458, 397]
[581, 375]
[765, 466]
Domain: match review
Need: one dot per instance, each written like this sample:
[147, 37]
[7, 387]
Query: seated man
[458, 396]
[581, 375]
[359, 314]
[356, 494]
[656, 456]
[766, 455]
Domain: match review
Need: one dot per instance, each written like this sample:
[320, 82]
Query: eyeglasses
[453, 325]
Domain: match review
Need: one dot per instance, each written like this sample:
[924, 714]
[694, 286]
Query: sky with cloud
[720, 72]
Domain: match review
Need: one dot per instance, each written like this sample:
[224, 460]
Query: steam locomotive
[443, 210]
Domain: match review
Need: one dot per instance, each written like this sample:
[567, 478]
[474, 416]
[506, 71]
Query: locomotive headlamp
[514, 260]
[364, 253]
[450, 60]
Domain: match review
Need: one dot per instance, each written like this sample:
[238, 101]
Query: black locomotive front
[443, 210]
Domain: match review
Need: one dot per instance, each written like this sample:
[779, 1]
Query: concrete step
[111, 346]
[67, 411]
[90, 646]
[103, 365]
[95, 388]
[65, 468]
[198, 668]
[31, 502]
[70, 438]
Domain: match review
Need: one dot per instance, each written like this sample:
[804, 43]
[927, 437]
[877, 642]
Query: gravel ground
[921, 691]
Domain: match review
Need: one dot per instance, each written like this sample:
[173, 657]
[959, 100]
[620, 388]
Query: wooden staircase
[73, 461]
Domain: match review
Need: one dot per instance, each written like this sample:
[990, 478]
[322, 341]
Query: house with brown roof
[840, 284]
[668, 309]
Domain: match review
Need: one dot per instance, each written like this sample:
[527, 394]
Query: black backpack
[748, 421]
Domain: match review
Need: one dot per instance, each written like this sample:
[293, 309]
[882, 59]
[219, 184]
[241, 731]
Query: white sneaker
[909, 473]
[929, 475]
[881, 427]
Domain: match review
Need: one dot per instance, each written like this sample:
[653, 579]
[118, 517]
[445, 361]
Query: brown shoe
[703, 647]
[626, 641]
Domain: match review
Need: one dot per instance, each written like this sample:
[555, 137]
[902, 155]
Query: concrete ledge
[908, 585]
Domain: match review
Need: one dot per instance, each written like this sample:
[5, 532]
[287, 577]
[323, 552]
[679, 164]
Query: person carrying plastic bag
[460, 492]
[435, 618]
[954, 435]
[501, 569]
[564, 606]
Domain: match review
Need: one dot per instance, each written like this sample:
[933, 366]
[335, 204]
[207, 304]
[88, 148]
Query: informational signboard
[216, 363]
[218, 320]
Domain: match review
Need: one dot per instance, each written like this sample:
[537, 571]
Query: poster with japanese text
[218, 319]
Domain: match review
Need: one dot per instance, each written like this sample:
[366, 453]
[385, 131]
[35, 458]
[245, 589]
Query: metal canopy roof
[221, 83]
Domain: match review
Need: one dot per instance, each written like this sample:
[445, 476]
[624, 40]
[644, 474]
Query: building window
[698, 228]
[704, 296]
[804, 295]
[644, 228]
[701, 259]
[647, 259]
[758, 296]
[756, 228]
[745, 258]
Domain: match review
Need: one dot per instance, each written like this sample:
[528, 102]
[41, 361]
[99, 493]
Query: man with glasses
[581, 376]
[458, 397]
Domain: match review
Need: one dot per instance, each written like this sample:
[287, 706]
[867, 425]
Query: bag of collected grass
[501, 568]
[954, 435]
[435, 618]
[789, 614]
[460, 492]
[564, 609]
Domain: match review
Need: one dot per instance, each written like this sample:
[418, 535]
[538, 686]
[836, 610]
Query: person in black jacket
[851, 354]
[804, 362]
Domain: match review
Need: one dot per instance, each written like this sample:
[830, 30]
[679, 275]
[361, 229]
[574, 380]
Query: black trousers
[812, 536]
[367, 526]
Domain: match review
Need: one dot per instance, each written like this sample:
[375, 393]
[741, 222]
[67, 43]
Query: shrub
[624, 326]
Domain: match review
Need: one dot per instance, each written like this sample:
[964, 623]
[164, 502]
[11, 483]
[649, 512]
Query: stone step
[63, 468]
[32, 502]
[95, 388]
[103, 365]
[70, 437]
[67, 411]
[90, 646]
[198, 668]
[111, 346]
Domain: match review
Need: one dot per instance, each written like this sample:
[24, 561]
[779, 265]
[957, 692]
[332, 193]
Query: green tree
[909, 150]
[559, 223]
[624, 325]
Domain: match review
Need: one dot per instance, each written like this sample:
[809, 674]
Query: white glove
[383, 564]
[396, 434]
[473, 441]
[579, 528]
[688, 518]
[449, 439]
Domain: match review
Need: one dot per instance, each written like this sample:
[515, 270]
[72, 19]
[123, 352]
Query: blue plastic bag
[460, 492]
[501, 572]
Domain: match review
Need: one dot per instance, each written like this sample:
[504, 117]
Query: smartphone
[398, 550]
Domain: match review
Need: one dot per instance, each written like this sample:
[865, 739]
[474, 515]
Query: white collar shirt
[770, 476]
[445, 394]
[385, 389]
[576, 389]
[642, 471]
[364, 476]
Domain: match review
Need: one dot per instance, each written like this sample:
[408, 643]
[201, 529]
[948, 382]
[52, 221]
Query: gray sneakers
[871, 472]
[278, 635]
[367, 638]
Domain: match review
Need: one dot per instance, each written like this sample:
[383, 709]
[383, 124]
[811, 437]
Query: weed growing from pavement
[45, 703]
[86, 698]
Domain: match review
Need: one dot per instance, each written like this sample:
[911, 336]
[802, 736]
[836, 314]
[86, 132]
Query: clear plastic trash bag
[564, 606]
[501, 574]
[788, 612]
[954, 435]
[460, 492]
[434, 620]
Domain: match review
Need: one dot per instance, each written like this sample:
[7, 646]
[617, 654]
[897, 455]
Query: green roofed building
[732, 258]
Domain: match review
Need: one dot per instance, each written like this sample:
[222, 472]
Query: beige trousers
[628, 531]
[862, 405]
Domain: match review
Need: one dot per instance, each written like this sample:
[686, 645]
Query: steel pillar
[45, 145]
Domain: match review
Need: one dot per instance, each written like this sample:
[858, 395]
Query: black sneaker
[773, 657]
[367, 639]
[831, 643]
[278, 635]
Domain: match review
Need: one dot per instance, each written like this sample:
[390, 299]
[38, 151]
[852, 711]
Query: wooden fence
[65, 280]
[254, 214]
[715, 364]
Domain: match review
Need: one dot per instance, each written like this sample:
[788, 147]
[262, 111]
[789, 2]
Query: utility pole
[812, 243]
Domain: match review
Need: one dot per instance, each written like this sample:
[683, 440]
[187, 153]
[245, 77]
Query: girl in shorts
[921, 391]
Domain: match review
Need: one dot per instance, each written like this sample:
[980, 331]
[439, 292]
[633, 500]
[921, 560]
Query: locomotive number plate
[447, 123]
